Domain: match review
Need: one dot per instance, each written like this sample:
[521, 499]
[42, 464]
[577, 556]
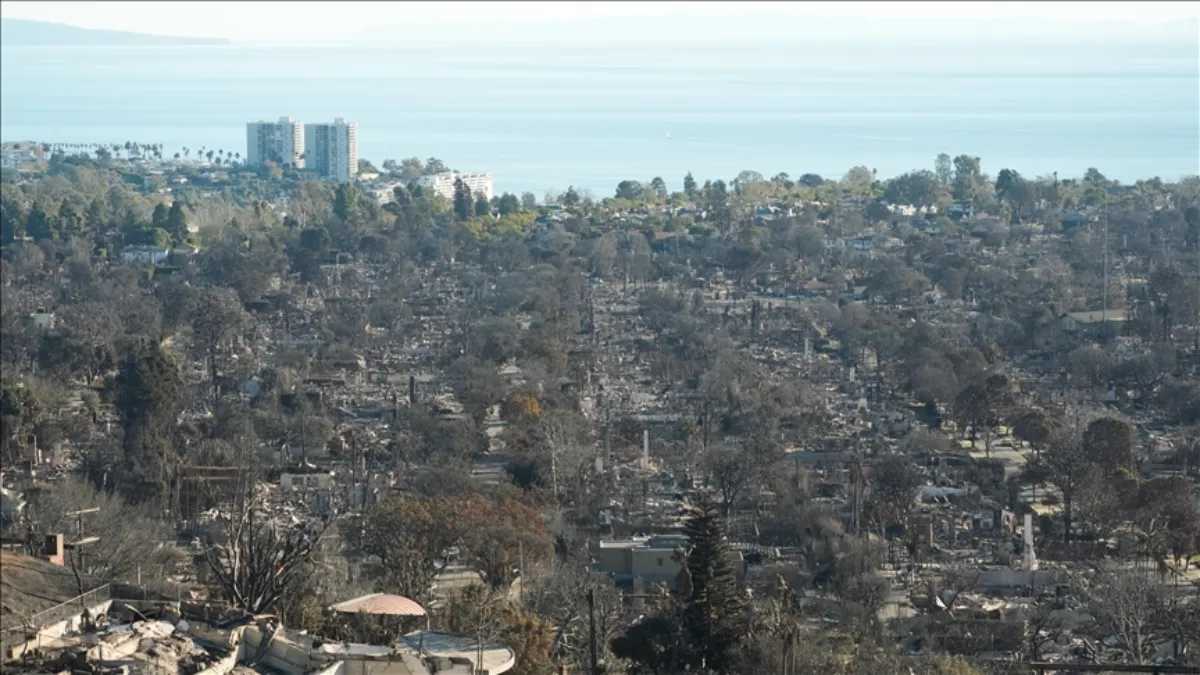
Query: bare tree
[1044, 628]
[564, 436]
[216, 316]
[894, 485]
[1064, 464]
[128, 537]
[731, 473]
[478, 611]
[561, 596]
[1130, 603]
[260, 559]
[952, 581]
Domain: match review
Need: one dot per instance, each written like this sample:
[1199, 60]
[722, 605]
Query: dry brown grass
[29, 585]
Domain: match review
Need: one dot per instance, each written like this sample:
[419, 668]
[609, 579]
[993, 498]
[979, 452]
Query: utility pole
[554, 471]
[521, 568]
[592, 630]
[856, 487]
[856, 490]
[80, 541]
[1104, 310]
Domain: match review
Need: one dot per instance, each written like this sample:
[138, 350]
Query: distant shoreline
[26, 33]
[149, 162]
[768, 30]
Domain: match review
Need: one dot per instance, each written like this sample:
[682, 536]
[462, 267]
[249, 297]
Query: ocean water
[543, 118]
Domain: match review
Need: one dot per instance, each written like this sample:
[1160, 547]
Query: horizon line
[364, 35]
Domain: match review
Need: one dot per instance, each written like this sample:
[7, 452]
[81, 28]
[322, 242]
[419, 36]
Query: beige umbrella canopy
[384, 604]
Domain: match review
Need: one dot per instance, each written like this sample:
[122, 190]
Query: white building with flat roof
[480, 183]
[280, 142]
[331, 150]
[22, 156]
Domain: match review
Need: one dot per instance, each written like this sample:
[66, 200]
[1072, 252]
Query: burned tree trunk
[259, 560]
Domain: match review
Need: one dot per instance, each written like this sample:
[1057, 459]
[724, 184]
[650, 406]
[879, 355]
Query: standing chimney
[412, 390]
[1030, 562]
[645, 448]
[53, 549]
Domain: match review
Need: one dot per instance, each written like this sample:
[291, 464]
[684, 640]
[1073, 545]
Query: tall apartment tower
[280, 142]
[331, 150]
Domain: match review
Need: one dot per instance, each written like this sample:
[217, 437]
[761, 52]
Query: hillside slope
[25, 33]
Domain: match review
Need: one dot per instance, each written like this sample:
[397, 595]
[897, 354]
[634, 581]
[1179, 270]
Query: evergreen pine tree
[177, 221]
[96, 216]
[714, 607]
[689, 184]
[69, 220]
[158, 219]
[464, 203]
[148, 400]
[38, 224]
[345, 203]
[482, 207]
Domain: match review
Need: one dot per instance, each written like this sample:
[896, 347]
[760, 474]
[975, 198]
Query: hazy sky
[319, 21]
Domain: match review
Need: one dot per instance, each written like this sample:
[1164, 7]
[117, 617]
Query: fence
[17, 635]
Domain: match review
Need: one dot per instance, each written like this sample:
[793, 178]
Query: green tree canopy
[916, 188]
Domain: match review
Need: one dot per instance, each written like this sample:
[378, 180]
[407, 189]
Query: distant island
[25, 33]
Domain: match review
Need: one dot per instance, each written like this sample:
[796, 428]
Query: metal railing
[16, 635]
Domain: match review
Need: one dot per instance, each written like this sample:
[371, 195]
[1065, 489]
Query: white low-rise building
[42, 319]
[480, 183]
[145, 254]
[23, 156]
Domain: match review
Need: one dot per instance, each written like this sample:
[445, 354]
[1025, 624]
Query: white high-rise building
[480, 183]
[280, 142]
[331, 150]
